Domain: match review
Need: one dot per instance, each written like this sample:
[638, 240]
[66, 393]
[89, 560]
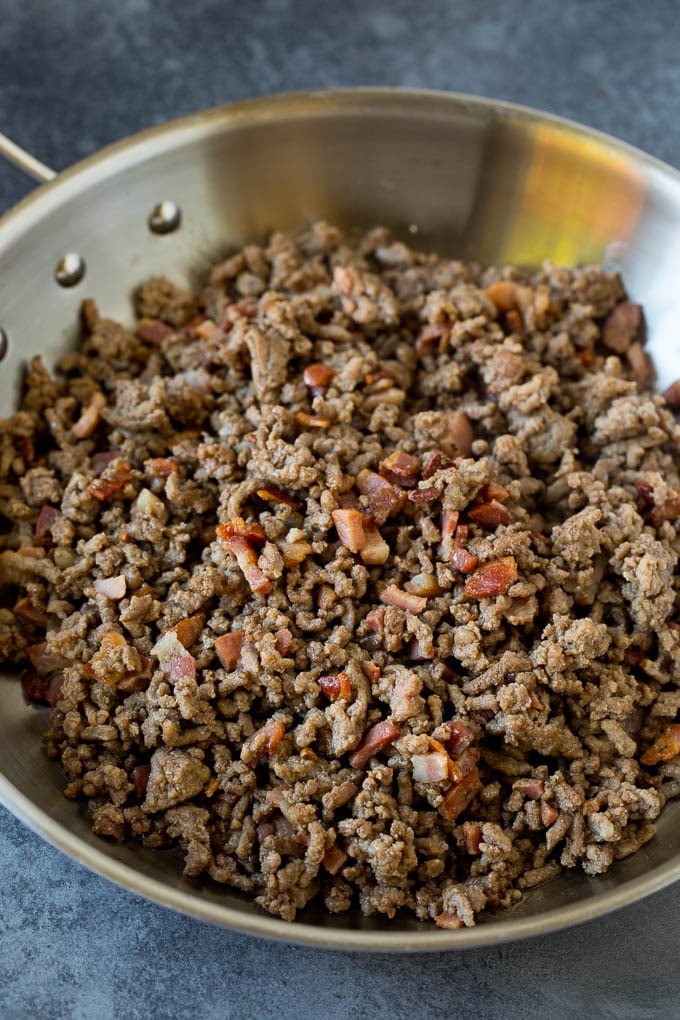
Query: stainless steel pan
[477, 178]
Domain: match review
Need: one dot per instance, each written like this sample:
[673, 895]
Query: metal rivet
[69, 270]
[4, 343]
[165, 217]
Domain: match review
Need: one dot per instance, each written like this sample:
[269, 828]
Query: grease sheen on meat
[354, 575]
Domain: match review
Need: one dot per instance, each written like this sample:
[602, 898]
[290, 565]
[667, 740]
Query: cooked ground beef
[355, 575]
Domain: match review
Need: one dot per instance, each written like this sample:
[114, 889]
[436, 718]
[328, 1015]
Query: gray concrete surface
[77, 74]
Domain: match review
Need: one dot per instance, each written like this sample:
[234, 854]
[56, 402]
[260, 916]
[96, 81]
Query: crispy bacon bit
[462, 560]
[334, 859]
[622, 326]
[55, 689]
[283, 641]
[640, 364]
[153, 331]
[672, 395]
[400, 468]
[466, 762]
[238, 528]
[504, 295]
[228, 648]
[372, 671]
[337, 687]
[89, 418]
[451, 921]
[449, 527]
[111, 482]
[30, 613]
[461, 432]
[180, 668]
[428, 494]
[270, 494]
[43, 526]
[238, 537]
[188, 630]
[430, 337]
[492, 490]
[264, 830]
[162, 467]
[461, 737]
[317, 377]
[383, 497]
[435, 461]
[393, 596]
[458, 796]
[140, 780]
[549, 814]
[263, 743]
[490, 515]
[349, 525]
[376, 739]
[430, 768]
[101, 459]
[35, 687]
[533, 789]
[375, 619]
[247, 307]
[472, 833]
[375, 549]
[634, 656]
[45, 662]
[312, 421]
[416, 652]
[42, 690]
[665, 747]
[25, 448]
[492, 578]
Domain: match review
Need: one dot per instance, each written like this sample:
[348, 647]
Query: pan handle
[24, 160]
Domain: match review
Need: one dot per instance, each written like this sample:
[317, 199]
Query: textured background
[78, 74]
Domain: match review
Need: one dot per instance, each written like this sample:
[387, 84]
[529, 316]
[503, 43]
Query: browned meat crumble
[355, 575]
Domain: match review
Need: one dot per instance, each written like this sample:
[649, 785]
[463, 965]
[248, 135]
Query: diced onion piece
[294, 553]
[424, 585]
[112, 587]
[89, 418]
[167, 646]
[375, 549]
[148, 505]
